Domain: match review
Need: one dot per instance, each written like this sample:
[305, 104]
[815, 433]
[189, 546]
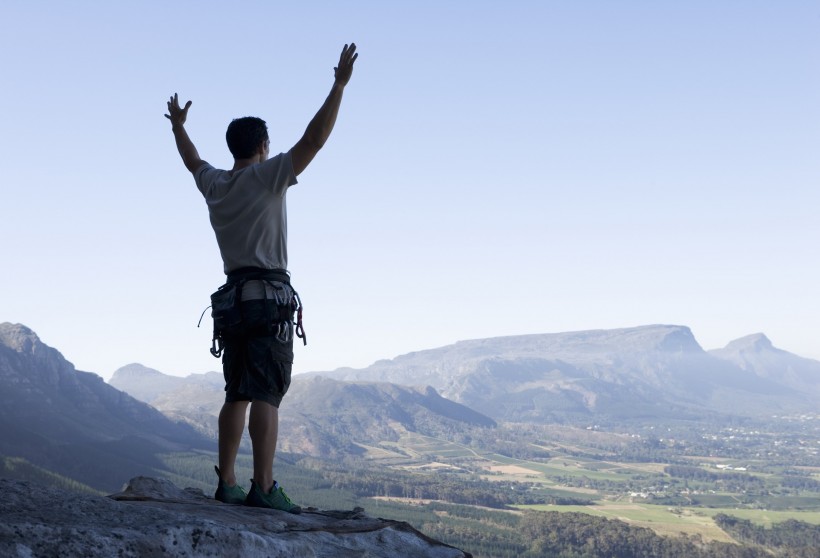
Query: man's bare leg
[264, 429]
[231, 425]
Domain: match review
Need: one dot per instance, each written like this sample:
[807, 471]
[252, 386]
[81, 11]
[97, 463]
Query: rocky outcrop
[152, 517]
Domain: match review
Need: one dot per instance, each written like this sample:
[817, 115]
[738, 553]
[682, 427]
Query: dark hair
[244, 136]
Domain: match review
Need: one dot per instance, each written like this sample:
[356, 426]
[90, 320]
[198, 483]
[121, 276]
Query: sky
[497, 168]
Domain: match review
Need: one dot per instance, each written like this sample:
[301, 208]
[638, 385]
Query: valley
[463, 491]
[545, 445]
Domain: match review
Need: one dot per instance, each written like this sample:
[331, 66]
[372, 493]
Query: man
[248, 214]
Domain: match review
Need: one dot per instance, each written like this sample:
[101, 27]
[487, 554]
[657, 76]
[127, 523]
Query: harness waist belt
[249, 273]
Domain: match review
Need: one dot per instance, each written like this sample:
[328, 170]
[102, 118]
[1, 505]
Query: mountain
[74, 424]
[629, 374]
[195, 399]
[320, 417]
[325, 417]
[756, 354]
[143, 383]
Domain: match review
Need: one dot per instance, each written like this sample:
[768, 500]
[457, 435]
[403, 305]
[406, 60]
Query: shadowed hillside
[327, 417]
[319, 417]
[74, 424]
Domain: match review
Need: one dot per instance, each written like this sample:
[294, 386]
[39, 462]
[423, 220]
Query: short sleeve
[277, 172]
[204, 177]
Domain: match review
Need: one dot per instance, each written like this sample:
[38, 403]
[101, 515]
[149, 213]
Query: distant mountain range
[319, 417]
[195, 399]
[74, 424]
[632, 374]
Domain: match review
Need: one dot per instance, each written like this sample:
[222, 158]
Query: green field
[673, 521]
[546, 477]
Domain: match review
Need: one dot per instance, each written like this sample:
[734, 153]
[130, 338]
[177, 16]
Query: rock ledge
[153, 518]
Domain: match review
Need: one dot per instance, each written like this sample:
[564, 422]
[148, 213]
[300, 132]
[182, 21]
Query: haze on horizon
[496, 169]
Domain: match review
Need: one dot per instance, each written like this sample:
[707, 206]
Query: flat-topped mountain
[621, 374]
[72, 422]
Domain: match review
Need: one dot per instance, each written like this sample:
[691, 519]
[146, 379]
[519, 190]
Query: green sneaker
[228, 494]
[276, 499]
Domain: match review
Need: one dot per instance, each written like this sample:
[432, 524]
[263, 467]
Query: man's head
[245, 136]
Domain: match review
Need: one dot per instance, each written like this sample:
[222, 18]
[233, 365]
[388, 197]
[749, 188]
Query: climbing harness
[279, 299]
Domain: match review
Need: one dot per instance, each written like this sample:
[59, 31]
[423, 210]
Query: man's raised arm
[318, 130]
[187, 151]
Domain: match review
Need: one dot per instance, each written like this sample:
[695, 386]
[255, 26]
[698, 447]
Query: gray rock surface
[154, 518]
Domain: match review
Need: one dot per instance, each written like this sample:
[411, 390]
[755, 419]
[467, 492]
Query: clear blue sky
[497, 168]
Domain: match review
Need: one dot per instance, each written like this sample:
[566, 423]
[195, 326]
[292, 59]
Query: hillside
[319, 417]
[195, 399]
[74, 424]
[324, 417]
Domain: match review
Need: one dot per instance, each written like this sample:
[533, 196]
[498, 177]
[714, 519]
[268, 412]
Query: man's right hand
[319, 128]
[176, 114]
[345, 68]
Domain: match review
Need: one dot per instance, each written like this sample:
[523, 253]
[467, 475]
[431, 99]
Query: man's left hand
[345, 68]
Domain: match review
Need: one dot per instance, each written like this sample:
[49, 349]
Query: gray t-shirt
[248, 212]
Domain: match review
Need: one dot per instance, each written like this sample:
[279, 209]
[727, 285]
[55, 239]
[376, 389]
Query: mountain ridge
[624, 374]
[635, 372]
[72, 422]
[320, 416]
